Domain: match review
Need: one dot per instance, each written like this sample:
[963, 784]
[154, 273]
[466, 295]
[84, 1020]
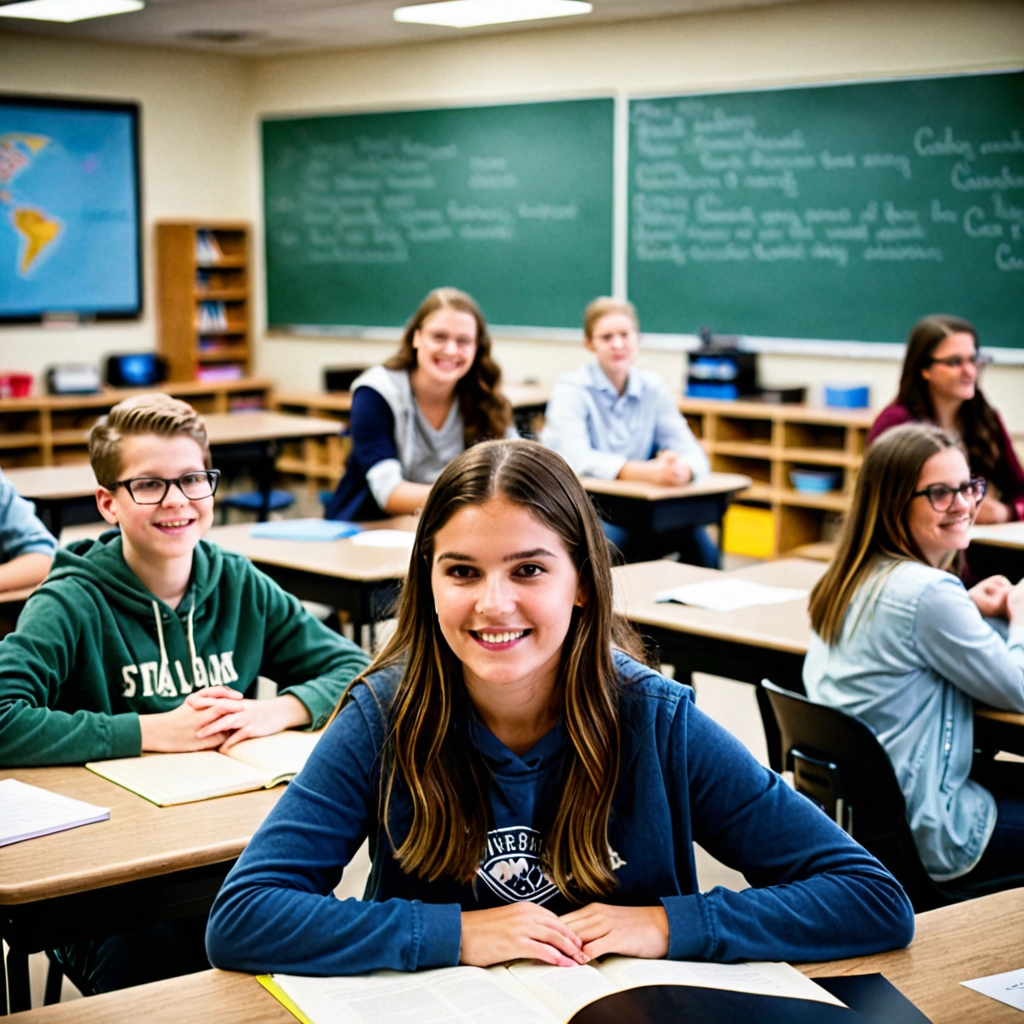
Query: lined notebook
[28, 811]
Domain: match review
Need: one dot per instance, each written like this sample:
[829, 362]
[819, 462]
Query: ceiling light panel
[68, 10]
[474, 13]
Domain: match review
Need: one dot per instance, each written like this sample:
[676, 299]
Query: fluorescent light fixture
[471, 13]
[68, 10]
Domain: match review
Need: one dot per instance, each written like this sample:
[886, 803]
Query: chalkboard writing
[844, 212]
[366, 213]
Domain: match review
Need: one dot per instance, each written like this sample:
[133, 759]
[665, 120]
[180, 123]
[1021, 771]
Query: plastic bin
[749, 531]
[847, 396]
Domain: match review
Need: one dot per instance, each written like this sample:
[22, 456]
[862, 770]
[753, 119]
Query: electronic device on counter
[720, 369]
[135, 370]
[72, 379]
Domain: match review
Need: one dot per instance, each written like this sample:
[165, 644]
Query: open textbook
[729, 595]
[524, 992]
[166, 779]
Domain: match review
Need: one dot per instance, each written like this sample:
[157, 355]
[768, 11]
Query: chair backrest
[845, 753]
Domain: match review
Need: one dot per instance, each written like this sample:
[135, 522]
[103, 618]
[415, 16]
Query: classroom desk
[749, 645]
[644, 508]
[145, 863]
[11, 603]
[249, 438]
[998, 548]
[953, 944]
[361, 581]
[528, 404]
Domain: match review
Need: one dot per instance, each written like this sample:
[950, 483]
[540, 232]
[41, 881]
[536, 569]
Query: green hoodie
[94, 649]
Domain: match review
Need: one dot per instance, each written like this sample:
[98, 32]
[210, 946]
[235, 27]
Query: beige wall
[197, 148]
[200, 113]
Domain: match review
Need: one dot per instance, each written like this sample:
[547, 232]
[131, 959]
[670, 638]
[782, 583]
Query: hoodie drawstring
[164, 661]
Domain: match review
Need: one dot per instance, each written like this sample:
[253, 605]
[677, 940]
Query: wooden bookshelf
[320, 460]
[203, 298]
[53, 430]
[767, 442]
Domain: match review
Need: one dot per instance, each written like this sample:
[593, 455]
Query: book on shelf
[213, 316]
[27, 812]
[527, 990]
[220, 372]
[168, 779]
[208, 249]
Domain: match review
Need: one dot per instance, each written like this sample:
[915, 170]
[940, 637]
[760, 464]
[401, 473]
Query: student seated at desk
[410, 417]
[900, 643]
[939, 384]
[152, 639]
[613, 421]
[529, 789]
[26, 546]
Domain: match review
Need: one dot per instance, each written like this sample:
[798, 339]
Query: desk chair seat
[839, 764]
[252, 501]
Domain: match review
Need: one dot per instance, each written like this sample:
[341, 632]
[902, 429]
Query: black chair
[838, 763]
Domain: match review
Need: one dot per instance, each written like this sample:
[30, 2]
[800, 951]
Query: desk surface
[713, 483]
[782, 627]
[1002, 535]
[953, 944]
[335, 558]
[140, 840]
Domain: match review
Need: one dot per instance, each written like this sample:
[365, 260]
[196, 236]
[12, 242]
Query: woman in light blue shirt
[612, 421]
[900, 643]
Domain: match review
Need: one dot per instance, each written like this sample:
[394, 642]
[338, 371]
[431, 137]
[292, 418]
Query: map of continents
[39, 231]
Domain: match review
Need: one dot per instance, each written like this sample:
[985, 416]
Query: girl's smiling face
[504, 588]
[445, 346]
[940, 534]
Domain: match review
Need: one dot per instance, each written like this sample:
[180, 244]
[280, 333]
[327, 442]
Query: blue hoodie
[815, 894]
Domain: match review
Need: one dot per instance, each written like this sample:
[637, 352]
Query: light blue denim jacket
[913, 656]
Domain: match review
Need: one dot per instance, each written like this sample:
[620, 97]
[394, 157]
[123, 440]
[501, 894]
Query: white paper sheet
[28, 811]
[729, 595]
[1007, 987]
[384, 539]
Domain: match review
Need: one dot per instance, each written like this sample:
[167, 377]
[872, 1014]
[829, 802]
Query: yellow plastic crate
[749, 531]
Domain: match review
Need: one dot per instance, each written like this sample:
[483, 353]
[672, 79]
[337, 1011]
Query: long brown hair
[428, 753]
[979, 425]
[876, 525]
[486, 412]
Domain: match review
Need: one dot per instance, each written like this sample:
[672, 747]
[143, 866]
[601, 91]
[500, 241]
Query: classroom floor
[731, 704]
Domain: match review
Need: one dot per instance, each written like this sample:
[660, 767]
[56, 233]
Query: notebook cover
[304, 529]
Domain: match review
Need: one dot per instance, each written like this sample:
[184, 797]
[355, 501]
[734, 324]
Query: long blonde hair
[427, 753]
[876, 525]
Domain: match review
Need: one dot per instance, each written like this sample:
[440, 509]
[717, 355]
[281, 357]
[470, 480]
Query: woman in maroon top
[939, 384]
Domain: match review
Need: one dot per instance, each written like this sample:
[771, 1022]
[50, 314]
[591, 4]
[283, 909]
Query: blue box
[843, 396]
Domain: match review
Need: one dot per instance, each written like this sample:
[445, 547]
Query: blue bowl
[814, 481]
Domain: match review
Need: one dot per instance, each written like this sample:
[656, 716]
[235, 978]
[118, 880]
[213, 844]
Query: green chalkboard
[834, 212]
[366, 213]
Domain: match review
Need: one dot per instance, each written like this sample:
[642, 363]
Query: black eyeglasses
[940, 496]
[151, 490]
[957, 362]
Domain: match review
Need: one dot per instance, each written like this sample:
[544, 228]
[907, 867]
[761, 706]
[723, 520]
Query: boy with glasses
[151, 638]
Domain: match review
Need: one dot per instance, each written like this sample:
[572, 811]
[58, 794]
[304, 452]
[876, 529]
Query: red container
[15, 385]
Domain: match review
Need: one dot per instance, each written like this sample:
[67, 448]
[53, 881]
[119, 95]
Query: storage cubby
[766, 442]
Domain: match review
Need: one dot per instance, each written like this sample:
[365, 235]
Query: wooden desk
[144, 863]
[999, 730]
[645, 509]
[954, 944]
[250, 438]
[749, 645]
[11, 603]
[997, 549]
[361, 581]
[528, 404]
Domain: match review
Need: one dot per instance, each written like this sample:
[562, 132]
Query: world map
[39, 231]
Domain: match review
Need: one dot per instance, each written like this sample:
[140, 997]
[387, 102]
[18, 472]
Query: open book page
[28, 811]
[564, 990]
[757, 977]
[449, 995]
[729, 595]
[166, 779]
[279, 756]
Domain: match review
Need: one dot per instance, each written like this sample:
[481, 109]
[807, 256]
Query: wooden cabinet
[769, 442]
[53, 430]
[204, 299]
[320, 460]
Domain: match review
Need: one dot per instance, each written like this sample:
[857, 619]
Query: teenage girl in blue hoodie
[528, 788]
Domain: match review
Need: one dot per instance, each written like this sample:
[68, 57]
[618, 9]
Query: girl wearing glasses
[437, 396]
[939, 384]
[899, 642]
